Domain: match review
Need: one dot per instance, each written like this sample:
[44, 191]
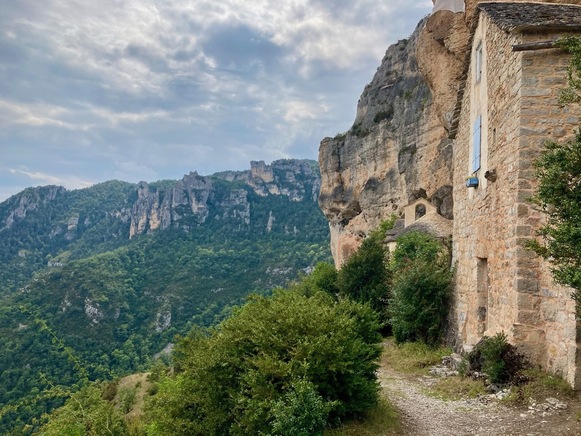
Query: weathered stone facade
[500, 285]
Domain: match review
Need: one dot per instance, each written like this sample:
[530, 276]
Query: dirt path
[422, 415]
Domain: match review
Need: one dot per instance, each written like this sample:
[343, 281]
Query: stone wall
[501, 286]
[485, 217]
[550, 311]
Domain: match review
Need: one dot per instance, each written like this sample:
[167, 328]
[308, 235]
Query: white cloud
[116, 119]
[49, 179]
[112, 39]
[36, 114]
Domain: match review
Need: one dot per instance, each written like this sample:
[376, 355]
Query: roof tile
[532, 16]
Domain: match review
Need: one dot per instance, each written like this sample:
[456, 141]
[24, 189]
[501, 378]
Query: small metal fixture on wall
[472, 182]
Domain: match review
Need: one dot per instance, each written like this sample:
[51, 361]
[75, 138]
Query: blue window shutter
[476, 142]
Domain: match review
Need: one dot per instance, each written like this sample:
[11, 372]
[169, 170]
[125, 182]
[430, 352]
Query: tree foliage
[301, 411]
[116, 301]
[420, 291]
[85, 413]
[559, 197]
[365, 276]
[572, 93]
[279, 363]
[322, 279]
[417, 246]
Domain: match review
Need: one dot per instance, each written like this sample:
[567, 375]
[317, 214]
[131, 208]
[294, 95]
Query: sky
[153, 89]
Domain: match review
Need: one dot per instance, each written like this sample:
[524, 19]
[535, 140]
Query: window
[420, 211]
[478, 63]
[476, 143]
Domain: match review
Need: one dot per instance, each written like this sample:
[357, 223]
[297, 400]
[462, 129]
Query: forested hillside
[82, 290]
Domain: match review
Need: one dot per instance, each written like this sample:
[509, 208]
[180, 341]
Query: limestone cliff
[125, 210]
[189, 201]
[19, 206]
[296, 179]
[158, 209]
[397, 149]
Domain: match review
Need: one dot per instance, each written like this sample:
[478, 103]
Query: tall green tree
[558, 195]
[365, 276]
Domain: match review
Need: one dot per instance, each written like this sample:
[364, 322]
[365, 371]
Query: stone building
[507, 107]
[420, 216]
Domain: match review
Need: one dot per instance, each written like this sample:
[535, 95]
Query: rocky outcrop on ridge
[294, 178]
[156, 209]
[29, 200]
[194, 196]
[147, 207]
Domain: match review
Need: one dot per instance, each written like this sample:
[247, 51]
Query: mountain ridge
[73, 270]
[106, 215]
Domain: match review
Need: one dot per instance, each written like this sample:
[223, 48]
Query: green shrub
[300, 412]
[286, 352]
[418, 246]
[358, 130]
[152, 389]
[109, 391]
[365, 276]
[85, 413]
[383, 115]
[498, 359]
[420, 290]
[323, 278]
[127, 397]
[420, 302]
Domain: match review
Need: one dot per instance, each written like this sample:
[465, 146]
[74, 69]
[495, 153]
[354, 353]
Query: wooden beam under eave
[541, 45]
